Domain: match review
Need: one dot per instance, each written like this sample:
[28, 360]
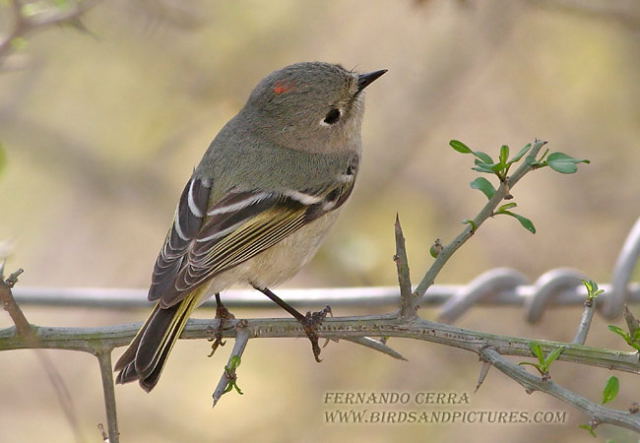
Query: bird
[258, 205]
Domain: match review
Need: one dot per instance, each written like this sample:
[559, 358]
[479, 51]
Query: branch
[23, 24]
[532, 382]
[106, 372]
[486, 212]
[585, 321]
[406, 323]
[26, 333]
[93, 339]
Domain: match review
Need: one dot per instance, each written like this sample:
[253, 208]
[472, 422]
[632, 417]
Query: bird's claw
[310, 325]
[222, 314]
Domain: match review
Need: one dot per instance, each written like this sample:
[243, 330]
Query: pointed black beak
[365, 80]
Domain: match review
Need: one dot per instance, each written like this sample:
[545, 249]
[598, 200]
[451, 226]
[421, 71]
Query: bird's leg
[309, 322]
[222, 314]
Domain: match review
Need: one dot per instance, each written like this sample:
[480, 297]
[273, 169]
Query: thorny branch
[404, 323]
[30, 338]
[530, 382]
[23, 24]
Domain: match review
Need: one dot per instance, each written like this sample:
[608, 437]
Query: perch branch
[90, 339]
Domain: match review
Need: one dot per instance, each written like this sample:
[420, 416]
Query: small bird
[258, 205]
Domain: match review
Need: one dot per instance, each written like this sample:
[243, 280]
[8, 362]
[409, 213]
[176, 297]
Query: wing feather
[204, 242]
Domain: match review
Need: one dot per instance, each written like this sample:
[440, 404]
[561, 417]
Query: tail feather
[146, 355]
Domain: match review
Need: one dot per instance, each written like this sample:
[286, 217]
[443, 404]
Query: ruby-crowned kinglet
[259, 203]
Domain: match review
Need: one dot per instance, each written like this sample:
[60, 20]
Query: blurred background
[103, 119]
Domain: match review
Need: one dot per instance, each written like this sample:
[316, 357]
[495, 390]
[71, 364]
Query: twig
[9, 304]
[229, 376]
[25, 331]
[486, 212]
[22, 25]
[532, 382]
[106, 372]
[585, 320]
[16, 19]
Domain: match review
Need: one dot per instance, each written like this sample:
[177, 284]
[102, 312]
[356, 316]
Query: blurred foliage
[102, 129]
[3, 158]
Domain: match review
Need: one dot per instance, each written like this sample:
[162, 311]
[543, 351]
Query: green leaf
[553, 356]
[536, 350]
[564, 163]
[590, 429]
[611, 389]
[524, 221]
[483, 168]
[620, 332]
[504, 154]
[483, 185]
[535, 365]
[460, 147]
[506, 207]
[486, 158]
[499, 167]
[521, 153]
[592, 289]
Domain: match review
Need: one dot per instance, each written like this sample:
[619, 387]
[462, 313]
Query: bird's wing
[205, 241]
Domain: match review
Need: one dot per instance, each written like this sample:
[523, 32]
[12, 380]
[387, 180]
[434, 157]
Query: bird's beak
[365, 80]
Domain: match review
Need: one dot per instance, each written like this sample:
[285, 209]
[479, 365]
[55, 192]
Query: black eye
[332, 116]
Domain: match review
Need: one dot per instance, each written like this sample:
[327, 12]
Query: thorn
[484, 370]
[13, 278]
[632, 322]
[105, 437]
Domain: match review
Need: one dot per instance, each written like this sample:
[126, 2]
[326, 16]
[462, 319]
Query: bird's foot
[222, 314]
[310, 325]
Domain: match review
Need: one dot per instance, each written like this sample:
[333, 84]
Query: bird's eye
[332, 117]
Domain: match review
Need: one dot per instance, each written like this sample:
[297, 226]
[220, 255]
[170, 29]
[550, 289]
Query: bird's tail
[145, 357]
